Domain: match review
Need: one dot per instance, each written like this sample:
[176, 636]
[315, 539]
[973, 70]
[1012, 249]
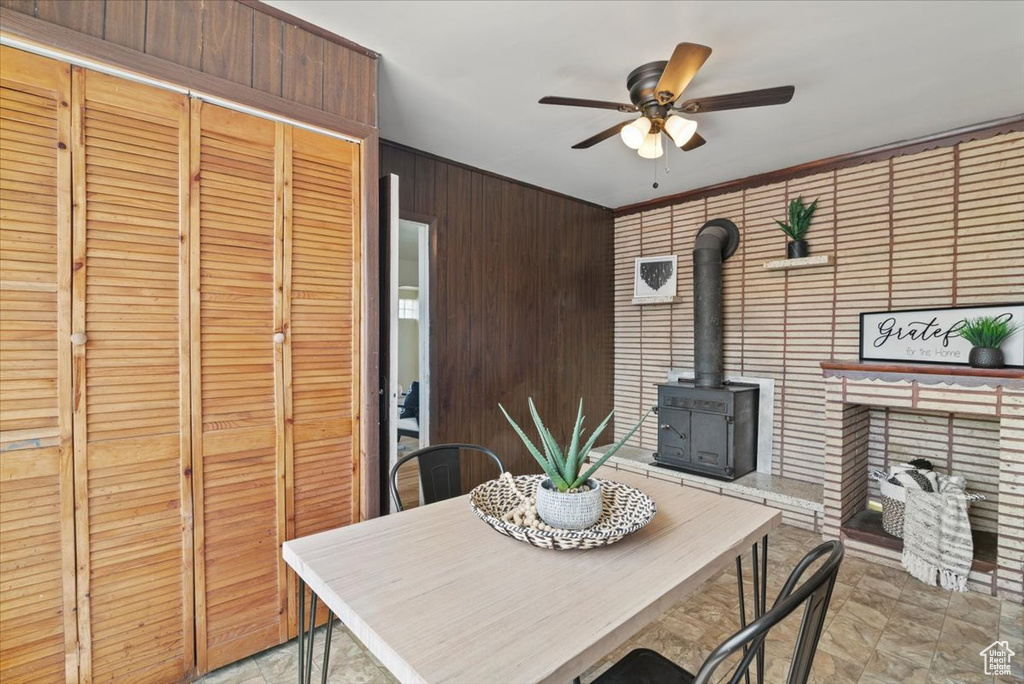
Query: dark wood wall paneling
[243, 41]
[521, 303]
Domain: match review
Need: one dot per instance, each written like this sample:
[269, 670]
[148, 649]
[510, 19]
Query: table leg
[306, 650]
[760, 571]
[327, 646]
[301, 637]
[760, 598]
[307, 666]
[743, 609]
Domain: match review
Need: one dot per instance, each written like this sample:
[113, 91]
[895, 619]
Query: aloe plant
[799, 219]
[987, 331]
[563, 465]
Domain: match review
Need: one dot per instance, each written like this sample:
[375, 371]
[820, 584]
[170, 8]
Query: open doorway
[410, 353]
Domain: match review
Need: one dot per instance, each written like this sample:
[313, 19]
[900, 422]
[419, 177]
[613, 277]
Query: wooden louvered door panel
[237, 426]
[37, 561]
[132, 445]
[322, 353]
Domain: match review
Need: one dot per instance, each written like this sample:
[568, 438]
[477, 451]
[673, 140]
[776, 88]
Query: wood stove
[708, 431]
[707, 426]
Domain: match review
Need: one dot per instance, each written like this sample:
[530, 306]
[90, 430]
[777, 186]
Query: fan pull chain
[655, 184]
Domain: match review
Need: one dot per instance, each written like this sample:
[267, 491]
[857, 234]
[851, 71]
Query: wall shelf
[804, 262]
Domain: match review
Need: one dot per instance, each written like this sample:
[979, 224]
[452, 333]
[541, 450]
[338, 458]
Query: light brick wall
[939, 228]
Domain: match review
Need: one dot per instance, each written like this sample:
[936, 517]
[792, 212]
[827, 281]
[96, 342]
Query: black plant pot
[986, 357]
[797, 249]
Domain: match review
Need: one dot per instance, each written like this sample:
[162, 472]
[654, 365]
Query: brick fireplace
[851, 392]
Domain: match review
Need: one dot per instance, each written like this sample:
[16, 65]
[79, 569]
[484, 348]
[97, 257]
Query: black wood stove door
[709, 442]
[673, 431]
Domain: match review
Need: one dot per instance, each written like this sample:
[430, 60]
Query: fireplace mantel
[924, 373]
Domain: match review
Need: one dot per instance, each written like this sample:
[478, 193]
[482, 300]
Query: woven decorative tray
[626, 510]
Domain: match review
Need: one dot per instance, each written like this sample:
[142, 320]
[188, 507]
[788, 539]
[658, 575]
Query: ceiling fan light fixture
[680, 129]
[651, 149]
[634, 133]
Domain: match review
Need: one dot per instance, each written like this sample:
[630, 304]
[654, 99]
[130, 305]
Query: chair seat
[644, 666]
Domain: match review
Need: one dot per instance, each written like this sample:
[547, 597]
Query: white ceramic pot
[569, 511]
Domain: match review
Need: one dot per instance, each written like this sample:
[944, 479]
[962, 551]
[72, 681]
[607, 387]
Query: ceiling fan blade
[600, 137]
[593, 104]
[693, 143]
[686, 60]
[751, 98]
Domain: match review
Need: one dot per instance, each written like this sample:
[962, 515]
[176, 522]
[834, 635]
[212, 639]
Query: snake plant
[799, 219]
[987, 331]
[563, 465]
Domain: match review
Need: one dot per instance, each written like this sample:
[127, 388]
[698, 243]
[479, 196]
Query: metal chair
[649, 667]
[440, 471]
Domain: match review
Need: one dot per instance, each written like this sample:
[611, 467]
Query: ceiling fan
[654, 89]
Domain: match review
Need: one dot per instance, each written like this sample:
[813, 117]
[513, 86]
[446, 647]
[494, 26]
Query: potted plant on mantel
[799, 221]
[567, 499]
[986, 335]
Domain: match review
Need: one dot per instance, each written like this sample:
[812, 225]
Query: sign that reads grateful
[931, 335]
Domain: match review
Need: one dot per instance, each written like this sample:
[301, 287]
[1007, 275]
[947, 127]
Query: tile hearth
[883, 627]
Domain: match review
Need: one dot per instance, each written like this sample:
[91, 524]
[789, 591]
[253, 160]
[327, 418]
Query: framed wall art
[654, 280]
[930, 335]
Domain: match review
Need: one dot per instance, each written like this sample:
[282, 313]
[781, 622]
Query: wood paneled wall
[243, 41]
[521, 302]
[936, 228]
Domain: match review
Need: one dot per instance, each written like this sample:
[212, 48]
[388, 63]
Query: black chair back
[410, 408]
[440, 471]
[815, 594]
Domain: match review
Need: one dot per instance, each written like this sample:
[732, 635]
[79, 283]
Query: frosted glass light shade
[651, 149]
[680, 129]
[634, 133]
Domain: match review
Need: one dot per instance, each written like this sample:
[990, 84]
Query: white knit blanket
[937, 535]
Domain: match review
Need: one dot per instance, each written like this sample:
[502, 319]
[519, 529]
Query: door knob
[278, 338]
[79, 338]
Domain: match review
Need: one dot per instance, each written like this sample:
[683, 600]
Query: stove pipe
[716, 241]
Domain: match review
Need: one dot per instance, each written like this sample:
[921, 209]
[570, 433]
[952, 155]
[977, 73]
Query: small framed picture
[654, 281]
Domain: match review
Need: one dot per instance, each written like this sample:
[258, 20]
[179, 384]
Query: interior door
[37, 572]
[133, 487]
[389, 228]
[321, 326]
[238, 417]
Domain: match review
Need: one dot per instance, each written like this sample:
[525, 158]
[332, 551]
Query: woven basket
[625, 510]
[894, 503]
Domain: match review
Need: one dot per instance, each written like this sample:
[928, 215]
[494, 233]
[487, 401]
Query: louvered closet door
[132, 450]
[238, 429]
[37, 583]
[322, 248]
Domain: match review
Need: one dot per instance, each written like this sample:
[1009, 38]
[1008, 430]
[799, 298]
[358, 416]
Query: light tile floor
[883, 627]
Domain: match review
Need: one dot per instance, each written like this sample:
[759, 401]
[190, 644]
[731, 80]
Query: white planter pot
[576, 511]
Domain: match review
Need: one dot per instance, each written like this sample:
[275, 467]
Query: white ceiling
[462, 80]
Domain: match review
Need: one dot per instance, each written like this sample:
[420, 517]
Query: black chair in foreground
[440, 471]
[644, 666]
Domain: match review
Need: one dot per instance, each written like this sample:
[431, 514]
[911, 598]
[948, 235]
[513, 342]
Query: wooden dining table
[440, 597]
